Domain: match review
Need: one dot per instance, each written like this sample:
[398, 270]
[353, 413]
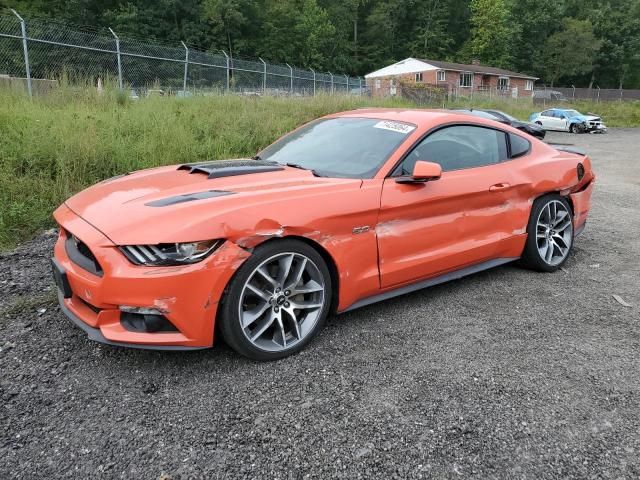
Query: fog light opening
[144, 319]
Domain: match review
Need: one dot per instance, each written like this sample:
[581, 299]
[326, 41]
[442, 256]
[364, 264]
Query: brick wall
[483, 84]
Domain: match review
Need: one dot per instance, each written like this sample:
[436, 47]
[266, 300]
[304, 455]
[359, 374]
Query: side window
[519, 146]
[458, 147]
[547, 113]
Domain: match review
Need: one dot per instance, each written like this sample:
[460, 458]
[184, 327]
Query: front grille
[80, 254]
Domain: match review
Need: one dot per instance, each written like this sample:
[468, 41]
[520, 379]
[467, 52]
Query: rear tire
[277, 301]
[549, 234]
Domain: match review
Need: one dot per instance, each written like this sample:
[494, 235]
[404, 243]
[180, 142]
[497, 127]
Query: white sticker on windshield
[395, 126]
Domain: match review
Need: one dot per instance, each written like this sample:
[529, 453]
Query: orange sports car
[347, 210]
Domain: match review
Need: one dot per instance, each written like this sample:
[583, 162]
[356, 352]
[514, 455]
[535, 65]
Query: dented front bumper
[187, 296]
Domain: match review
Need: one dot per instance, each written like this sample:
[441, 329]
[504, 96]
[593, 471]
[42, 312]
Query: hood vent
[189, 197]
[230, 168]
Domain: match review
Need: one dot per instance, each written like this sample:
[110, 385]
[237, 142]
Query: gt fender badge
[357, 230]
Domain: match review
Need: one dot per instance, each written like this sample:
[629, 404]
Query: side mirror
[422, 172]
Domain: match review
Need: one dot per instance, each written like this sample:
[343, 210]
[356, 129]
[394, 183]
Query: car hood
[584, 118]
[178, 204]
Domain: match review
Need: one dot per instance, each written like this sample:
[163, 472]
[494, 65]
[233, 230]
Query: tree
[570, 51]
[298, 32]
[431, 36]
[387, 34]
[536, 20]
[492, 32]
[229, 17]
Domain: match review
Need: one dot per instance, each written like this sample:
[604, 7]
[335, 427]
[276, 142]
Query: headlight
[165, 254]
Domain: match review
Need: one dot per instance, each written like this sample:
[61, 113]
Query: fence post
[119, 59]
[598, 87]
[314, 81]
[360, 78]
[264, 76]
[331, 82]
[186, 68]
[348, 86]
[23, 28]
[290, 78]
[227, 58]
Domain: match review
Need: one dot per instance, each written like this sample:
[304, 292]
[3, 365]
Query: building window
[528, 85]
[442, 75]
[503, 83]
[466, 79]
[419, 77]
[377, 83]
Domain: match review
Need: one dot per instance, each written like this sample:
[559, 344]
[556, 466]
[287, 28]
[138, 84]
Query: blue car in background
[568, 120]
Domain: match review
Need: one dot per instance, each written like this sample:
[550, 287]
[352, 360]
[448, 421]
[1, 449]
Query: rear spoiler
[563, 147]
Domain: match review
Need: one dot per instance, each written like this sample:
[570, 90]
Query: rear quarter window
[519, 146]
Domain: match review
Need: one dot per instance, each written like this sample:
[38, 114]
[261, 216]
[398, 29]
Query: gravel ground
[505, 374]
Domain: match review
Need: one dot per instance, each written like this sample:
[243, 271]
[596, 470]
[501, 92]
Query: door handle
[499, 187]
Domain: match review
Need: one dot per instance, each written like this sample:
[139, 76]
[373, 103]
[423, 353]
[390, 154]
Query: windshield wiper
[296, 165]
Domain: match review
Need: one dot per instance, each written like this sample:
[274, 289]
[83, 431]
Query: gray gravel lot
[505, 374]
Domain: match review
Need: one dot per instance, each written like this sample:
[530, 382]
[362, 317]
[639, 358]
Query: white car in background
[568, 120]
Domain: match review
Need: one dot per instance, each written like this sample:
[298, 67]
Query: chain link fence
[595, 94]
[36, 52]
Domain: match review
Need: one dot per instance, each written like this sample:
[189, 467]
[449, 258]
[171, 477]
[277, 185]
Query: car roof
[420, 117]
[478, 112]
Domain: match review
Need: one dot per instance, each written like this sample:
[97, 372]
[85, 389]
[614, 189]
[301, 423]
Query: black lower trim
[96, 335]
[60, 277]
[430, 282]
[580, 229]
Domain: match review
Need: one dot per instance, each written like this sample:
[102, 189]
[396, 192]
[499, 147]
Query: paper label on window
[395, 126]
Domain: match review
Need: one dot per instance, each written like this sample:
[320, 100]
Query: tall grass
[57, 144]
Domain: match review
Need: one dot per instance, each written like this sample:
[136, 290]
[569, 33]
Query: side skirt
[430, 282]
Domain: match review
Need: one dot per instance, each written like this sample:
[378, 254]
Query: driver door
[560, 119]
[425, 229]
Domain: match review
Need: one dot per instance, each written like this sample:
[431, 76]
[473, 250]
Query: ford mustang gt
[347, 210]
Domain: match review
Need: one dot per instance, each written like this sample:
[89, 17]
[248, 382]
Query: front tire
[549, 234]
[576, 128]
[277, 301]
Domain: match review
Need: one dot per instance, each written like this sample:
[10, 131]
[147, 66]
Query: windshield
[340, 147]
[572, 113]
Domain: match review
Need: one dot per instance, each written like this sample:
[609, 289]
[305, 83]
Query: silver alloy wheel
[554, 232]
[281, 301]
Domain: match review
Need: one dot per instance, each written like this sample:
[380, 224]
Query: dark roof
[460, 67]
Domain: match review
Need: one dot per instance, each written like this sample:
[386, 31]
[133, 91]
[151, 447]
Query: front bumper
[600, 128]
[187, 296]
